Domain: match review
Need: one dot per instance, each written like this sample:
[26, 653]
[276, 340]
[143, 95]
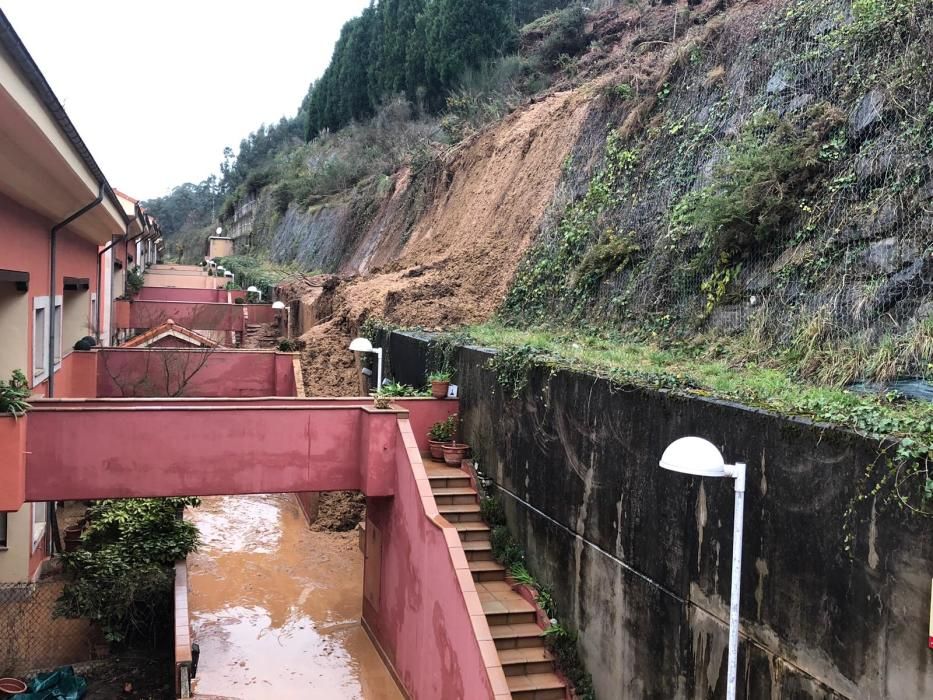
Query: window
[58, 331]
[39, 514]
[3, 526]
[40, 340]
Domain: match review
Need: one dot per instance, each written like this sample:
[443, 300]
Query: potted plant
[382, 401]
[441, 432]
[13, 407]
[440, 382]
[455, 453]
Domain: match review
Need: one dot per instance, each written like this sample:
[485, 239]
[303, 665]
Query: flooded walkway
[276, 608]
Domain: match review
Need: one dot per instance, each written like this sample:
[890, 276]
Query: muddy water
[276, 607]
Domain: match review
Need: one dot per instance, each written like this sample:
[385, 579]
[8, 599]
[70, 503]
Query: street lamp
[253, 289]
[363, 345]
[699, 457]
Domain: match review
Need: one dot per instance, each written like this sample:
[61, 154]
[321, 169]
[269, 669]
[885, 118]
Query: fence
[31, 637]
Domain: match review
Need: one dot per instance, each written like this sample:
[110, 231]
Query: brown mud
[276, 607]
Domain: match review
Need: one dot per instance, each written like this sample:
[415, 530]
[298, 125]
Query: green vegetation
[715, 369]
[14, 394]
[134, 281]
[122, 576]
[439, 376]
[421, 47]
[250, 271]
[445, 430]
[394, 389]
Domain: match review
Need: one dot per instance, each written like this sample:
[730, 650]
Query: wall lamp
[699, 457]
[363, 345]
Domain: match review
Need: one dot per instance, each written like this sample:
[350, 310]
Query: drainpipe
[52, 521]
[53, 239]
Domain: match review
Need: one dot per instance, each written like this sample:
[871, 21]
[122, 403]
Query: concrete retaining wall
[639, 558]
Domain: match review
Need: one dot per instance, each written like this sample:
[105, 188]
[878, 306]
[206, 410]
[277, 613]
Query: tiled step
[453, 495]
[538, 686]
[527, 634]
[460, 512]
[472, 531]
[448, 477]
[502, 606]
[484, 571]
[522, 661]
[478, 550]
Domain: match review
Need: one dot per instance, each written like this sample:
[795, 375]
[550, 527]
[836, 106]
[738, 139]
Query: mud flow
[276, 607]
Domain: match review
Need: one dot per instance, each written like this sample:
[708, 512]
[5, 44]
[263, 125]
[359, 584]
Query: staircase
[528, 665]
[259, 337]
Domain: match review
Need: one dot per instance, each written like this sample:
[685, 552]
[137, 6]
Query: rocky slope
[760, 170]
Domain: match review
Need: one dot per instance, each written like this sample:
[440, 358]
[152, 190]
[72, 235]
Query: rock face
[867, 114]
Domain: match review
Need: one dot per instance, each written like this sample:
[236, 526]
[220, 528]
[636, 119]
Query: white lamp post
[699, 457]
[363, 345]
[253, 289]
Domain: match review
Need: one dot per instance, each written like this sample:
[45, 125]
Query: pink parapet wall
[154, 372]
[418, 592]
[215, 296]
[425, 413]
[196, 316]
[79, 452]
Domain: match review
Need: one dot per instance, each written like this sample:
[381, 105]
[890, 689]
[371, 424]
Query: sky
[158, 88]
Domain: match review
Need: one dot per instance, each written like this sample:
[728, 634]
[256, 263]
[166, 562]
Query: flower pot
[382, 402]
[436, 448]
[11, 686]
[455, 453]
[72, 537]
[12, 462]
[439, 389]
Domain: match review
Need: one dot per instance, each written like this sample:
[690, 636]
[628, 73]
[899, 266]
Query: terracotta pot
[455, 452]
[439, 389]
[436, 448]
[72, 537]
[13, 459]
[11, 686]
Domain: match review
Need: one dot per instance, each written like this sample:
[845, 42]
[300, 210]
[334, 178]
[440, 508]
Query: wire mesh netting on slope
[770, 178]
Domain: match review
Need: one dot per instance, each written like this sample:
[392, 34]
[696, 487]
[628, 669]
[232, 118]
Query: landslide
[488, 199]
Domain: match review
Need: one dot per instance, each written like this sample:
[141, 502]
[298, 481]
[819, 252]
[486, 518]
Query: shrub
[239, 300]
[134, 280]
[439, 376]
[14, 394]
[395, 389]
[445, 430]
[564, 34]
[122, 576]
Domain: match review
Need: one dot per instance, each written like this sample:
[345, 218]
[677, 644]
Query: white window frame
[59, 320]
[42, 374]
[38, 530]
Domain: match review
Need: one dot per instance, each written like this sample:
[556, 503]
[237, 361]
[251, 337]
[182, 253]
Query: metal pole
[378, 352]
[738, 472]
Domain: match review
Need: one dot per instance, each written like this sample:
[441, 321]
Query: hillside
[754, 174]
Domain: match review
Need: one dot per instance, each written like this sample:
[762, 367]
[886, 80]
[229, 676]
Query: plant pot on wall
[455, 453]
[382, 402]
[439, 389]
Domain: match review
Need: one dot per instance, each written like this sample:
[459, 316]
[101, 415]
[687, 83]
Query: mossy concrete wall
[639, 558]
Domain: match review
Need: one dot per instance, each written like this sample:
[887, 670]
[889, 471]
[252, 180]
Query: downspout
[53, 239]
[52, 524]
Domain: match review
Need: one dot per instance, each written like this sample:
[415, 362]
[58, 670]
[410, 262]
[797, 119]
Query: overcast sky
[157, 88]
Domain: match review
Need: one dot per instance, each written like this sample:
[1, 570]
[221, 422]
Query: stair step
[502, 606]
[449, 478]
[460, 512]
[520, 662]
[453, 495]
[471, 531]
[478, 550]
[537, 686]
[487, 571]
[523, 635]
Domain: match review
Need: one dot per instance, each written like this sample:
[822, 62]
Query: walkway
[276, 608]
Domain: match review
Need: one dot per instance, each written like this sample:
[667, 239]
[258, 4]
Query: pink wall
[77, 454]
[24, 240]
[154, 372]
[424, 414]
[218, 296]
[194, 316]
[261, 313]
[420, 617]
